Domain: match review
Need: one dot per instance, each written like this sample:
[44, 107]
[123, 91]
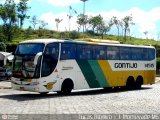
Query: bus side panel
[114, 78]
[69, 69]
[98, 73]
[88, 73]
[150, 77]
[118, 77]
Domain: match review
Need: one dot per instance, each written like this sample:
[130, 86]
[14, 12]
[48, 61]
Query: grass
[35, 34]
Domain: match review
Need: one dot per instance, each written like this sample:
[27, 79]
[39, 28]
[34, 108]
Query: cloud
[16, 1]
[64, 25]
[144, 20]
[60, 2]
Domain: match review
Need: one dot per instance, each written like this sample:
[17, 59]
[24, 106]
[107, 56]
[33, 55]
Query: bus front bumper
[33, 88]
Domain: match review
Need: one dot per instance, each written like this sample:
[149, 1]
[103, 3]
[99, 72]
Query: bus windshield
[23, 66]
[29, 48]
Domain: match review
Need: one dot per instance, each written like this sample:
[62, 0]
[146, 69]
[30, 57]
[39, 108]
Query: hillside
[22, 35]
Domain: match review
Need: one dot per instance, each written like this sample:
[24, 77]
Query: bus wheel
[67, 87]
[139, 82]
[130, 83]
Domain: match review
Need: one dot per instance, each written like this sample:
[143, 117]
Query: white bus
[46, 65]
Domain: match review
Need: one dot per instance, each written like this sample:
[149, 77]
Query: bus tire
[67, 87]
[139, 82]
[130, 83]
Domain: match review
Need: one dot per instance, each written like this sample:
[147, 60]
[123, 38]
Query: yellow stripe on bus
[119, 78]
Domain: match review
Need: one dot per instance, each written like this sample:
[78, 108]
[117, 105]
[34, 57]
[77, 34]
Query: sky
[145, 13]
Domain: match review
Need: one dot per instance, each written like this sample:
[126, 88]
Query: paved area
[5, 84]
[98, 101]
[146, 100]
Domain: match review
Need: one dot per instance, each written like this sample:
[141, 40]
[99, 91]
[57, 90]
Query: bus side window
[50, 59]
[112, 53]
[99, 52]
[52, 50]
[68, 51]
[125, 53]
[84, 52]
[144, 53]
[151, 54]
[139, 54]
[134, 53]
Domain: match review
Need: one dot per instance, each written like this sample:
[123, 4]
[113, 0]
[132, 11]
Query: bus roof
[45, 41]
[96, 42]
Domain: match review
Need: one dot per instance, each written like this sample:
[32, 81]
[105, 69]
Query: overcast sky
[145, 13]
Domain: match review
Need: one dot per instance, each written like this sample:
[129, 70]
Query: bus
[52, 65]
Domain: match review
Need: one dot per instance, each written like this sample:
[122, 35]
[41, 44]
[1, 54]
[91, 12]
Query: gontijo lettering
[125, 65]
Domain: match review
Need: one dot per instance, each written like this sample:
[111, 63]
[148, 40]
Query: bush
[74, 35]
[158, 65]
[64, 35]
[2, 37]
[91, 32]
[2, 46]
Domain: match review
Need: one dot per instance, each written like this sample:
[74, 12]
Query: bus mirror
[37, 57]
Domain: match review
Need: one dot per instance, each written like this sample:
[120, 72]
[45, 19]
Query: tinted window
[29, 48]
[50, 59]
[125, 53]
[151, 54]
[52, 50]
[112, 53]
[144, 53]
[136, 53]
[84, 52]
[99, 52]
[68, 51]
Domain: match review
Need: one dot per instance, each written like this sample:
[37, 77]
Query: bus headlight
[36, 89]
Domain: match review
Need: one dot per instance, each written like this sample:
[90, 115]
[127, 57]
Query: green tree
[42, 24]
[79, 21]
[22, 9]
[146, 34]
[127, 21]
[95, 22]
[34, 21]
[8, 16]
[103, 29]
[82, 20]
[117, 23]
[2, 46]
[57, 20]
